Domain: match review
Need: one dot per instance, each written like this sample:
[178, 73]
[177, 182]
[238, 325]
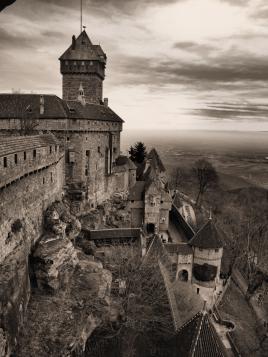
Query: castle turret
[207, 255]
[83, 64]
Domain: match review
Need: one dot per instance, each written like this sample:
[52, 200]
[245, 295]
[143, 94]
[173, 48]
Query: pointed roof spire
[198, 337]
[208, 237]
[82, 49]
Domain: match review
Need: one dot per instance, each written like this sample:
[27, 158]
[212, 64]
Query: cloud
[233, 112]
[237, 2]
[193, 47]
[224, 68]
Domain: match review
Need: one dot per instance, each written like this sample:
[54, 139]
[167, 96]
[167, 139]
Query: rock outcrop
[54, 296]
[14, 297]
[71, 295]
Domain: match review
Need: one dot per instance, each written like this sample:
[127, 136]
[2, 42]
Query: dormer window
[75, 63]
[83, 63]
[91, 63]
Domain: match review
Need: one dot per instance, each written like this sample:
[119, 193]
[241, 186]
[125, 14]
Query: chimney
[106, 102]
[73, 42]
[42, 105]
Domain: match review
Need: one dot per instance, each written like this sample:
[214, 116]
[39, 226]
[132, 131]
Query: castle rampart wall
[27, 189]
[54, 124]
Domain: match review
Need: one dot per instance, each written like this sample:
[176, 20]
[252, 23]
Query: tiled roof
[208, 237]
[180, 248]
[115, 233]
[198, 338]
[84, 50]
[14, 144]
[91, 111]
[27, 106]
[137, 191]
[17, 106]
[155, 160]
[124, 160]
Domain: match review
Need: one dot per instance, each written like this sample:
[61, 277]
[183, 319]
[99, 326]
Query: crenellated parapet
[22, 156]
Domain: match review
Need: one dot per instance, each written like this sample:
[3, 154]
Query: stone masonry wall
[92, 85]
[62, 125]
[24, 201]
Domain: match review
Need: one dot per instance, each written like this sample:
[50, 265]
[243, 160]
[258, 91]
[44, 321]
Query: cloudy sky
[172, 64]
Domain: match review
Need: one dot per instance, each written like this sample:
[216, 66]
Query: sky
[172, 64]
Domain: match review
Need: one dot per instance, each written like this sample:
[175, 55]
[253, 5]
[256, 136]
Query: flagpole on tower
[81, 17]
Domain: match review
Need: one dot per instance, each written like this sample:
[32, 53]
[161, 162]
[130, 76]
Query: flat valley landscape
[240, 158]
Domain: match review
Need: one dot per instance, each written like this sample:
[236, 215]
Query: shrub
[16, 226]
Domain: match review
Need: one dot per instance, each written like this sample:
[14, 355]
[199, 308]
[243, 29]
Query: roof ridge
[199, 327]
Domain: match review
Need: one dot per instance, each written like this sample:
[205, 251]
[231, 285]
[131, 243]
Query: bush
[16, 226]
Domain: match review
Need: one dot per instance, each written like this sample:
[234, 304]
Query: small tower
[83, 64]
[207, 255]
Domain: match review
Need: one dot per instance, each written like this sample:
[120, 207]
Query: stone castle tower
[83, 68]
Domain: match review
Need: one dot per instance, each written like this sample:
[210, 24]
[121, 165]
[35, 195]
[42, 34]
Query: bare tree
[206, 176]
[140, 290]
[27, 122]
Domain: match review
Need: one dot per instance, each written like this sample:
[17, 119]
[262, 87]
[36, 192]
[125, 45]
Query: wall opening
[183, 275]
[150, 228]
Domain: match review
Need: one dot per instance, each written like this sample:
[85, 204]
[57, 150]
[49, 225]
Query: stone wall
[89, 158]
[24, 202]
[92, 85]
[59, 125]
[16, 165]
[209, 256]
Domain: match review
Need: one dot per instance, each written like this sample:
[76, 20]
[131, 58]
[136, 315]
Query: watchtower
[83, 65]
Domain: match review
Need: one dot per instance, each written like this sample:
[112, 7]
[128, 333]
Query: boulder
[54, 262]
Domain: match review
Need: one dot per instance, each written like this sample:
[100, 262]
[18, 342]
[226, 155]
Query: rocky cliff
[54, 298]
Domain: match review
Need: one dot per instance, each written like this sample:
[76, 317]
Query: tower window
[86, 172]
[34, 154]
[50, 149]
[98, 149]
[5, 161]
[67, 139]
[87, 153]
[16, 158]
[51, 177]
[91, 63]
[75, 63]
[83, 63]
[44, 180]
[25, 155]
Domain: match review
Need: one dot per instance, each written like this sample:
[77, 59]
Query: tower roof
[156, 162]
[198, 337]
[208, 237]
[82, 49]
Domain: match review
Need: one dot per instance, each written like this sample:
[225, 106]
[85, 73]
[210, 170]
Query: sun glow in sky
[182, 64]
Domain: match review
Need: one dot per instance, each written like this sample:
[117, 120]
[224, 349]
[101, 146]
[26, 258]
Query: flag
[5, 3]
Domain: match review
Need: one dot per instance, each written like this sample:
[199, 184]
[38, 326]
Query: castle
[87, 129]
[74, 149]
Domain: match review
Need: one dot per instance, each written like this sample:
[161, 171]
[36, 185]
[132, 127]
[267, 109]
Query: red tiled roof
[208, 237]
